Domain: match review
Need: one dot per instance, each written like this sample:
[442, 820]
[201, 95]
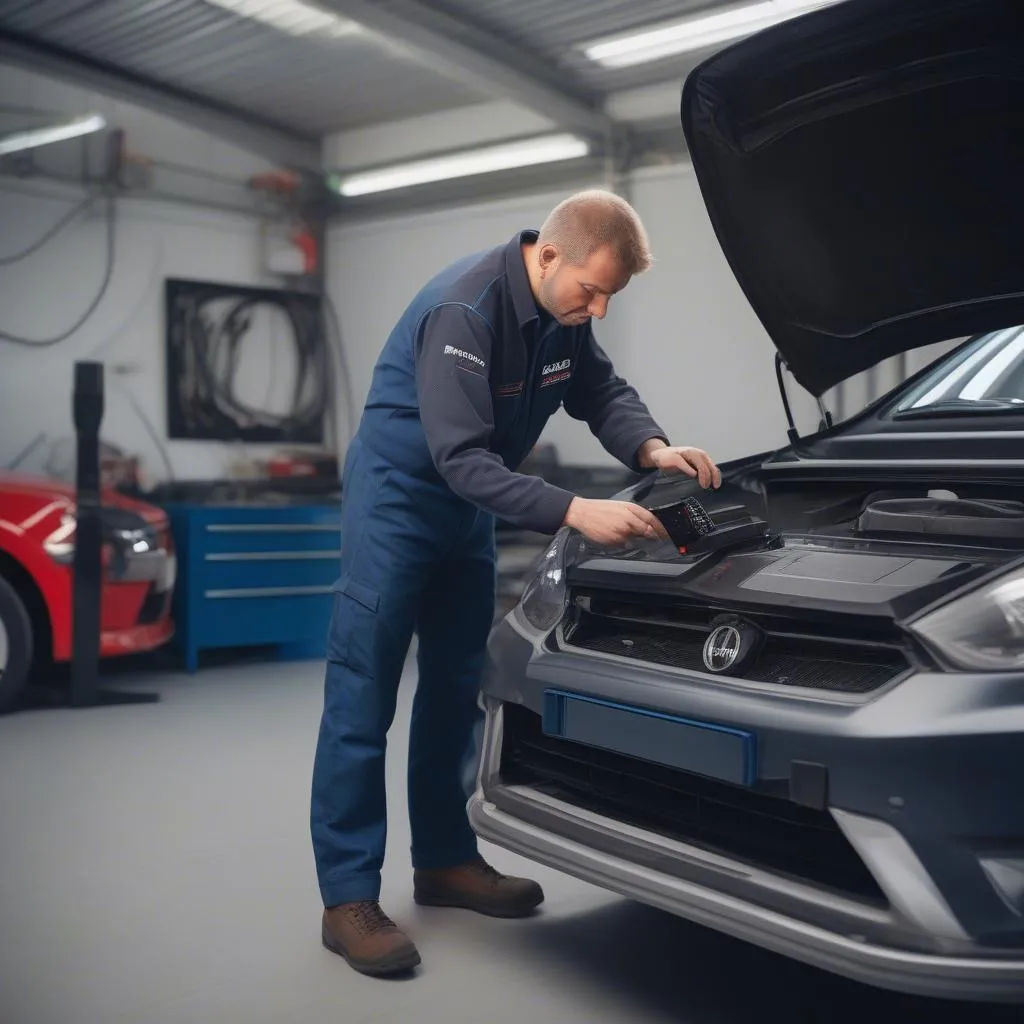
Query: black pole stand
[88, 565]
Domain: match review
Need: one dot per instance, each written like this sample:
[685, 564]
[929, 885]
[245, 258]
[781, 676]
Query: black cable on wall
[85, 204]
[108, 273]
[205, 346]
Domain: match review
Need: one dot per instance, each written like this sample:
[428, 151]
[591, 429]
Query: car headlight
[981, 631]
[139, 542]
[121, 542]
[544, 599]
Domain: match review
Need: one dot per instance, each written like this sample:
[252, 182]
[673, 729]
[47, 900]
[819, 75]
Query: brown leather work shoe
[477, 886]
[368, 939]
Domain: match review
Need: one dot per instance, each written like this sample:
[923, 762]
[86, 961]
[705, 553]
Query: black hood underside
[863, 167]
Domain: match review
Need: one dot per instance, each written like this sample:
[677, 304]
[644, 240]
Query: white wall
[683, 333]
[46, 293]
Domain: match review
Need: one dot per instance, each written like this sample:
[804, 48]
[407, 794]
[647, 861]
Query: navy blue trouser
[415, 558]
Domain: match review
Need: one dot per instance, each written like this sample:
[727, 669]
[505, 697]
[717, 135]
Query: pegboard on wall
[216, 334]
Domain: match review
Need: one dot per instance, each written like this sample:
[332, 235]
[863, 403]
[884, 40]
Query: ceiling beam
[480, 59]
[656, 102]
[270, 141]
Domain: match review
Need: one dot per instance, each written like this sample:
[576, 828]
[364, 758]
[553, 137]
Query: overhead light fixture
[501, 157]
[296, 17]
[695, 33]
[30, 138]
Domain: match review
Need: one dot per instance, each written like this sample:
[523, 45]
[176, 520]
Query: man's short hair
[589, 220]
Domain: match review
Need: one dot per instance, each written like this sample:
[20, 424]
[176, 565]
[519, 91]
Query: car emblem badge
[722, 649]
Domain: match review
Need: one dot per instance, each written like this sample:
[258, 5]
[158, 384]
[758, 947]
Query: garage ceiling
[554, 29]
[313, 84]
[328, 66]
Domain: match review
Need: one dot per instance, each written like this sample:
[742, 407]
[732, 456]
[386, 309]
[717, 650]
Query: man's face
[573, 294]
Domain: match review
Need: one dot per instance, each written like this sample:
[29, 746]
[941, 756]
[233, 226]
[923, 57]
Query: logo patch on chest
[555, 373]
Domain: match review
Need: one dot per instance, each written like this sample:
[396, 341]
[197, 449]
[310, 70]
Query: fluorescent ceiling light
[33, 137]
[695, 33]
[296, 17]
[500, 157]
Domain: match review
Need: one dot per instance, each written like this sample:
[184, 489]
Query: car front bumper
[911, 774]
[135, 605]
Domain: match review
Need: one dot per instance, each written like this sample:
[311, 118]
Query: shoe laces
[484, 869]
[369, 918]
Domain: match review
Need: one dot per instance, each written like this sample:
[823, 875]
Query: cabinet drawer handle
[271, 528]
[271, 556]
[266, 592]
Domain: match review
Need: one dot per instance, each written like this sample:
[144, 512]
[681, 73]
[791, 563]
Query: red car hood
[45, 490]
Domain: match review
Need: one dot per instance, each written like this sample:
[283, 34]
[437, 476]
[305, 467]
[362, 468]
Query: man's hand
[605, 521]
[674, 459]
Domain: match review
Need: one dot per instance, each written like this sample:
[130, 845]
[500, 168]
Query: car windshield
[986, 374]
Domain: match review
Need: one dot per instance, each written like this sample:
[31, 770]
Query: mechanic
[478, 363]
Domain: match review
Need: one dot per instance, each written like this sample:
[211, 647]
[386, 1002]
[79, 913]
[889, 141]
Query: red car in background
[37, 533]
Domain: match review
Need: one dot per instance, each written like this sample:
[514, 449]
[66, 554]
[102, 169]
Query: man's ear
[547, 257]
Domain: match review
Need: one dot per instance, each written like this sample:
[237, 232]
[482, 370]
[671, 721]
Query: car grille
[768, 831]
[841, 666]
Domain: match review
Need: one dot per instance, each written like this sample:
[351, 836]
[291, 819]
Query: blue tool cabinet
[254, 575]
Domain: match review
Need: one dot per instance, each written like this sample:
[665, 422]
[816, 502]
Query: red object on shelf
[275, 181]
[305, 241]
[304, 464]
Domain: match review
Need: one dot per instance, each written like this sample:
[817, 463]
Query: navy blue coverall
[464, 386]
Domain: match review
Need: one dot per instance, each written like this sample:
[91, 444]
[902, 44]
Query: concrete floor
[155, 867]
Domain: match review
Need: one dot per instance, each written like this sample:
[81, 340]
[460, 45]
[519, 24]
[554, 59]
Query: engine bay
[823, 550]
[748, 512]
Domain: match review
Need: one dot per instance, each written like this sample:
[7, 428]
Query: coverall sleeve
[611, 408]
[453, 358]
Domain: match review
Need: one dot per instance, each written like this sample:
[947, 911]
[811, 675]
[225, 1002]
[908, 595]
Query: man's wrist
[644, 452]
[570, 513]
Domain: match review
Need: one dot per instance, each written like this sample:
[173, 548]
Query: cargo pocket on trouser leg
[352, 638]
[365, 654]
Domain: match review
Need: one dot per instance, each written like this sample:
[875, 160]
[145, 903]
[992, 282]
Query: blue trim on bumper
[716, 751]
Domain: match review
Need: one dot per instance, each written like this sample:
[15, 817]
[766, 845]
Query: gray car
[801, 722]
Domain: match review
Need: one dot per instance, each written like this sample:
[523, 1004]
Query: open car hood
[863, 167]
